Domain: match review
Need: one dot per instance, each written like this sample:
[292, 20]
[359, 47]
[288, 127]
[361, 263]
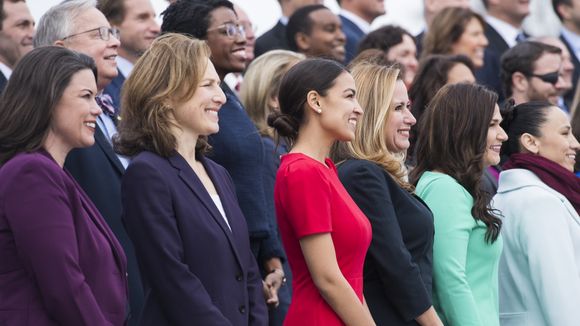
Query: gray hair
[58, 22]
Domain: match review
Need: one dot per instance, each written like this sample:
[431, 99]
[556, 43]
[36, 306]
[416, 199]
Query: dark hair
[453, 140]
[384, 38]
[432, 74]
[114, 10]
[523, 118]
[576, 132]
[2, 14]
[300, 22]
[446, 29]
[557, 3]
[521, 58]
[309, 75]
[191, 17]
[31, 95]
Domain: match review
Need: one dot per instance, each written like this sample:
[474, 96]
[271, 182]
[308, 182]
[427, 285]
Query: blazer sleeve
[545, 238]
[400, 276]
[453, 227]
[151, 224]
[41, 218]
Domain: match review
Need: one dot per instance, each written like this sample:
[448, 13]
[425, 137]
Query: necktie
[106, 103]
[520, 37]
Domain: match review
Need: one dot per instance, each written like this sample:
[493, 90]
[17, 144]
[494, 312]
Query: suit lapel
[104, 144]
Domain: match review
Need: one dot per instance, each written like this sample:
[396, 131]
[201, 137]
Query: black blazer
[3, 82]
[195, 270]
[353, 37]
[398, 265]
[114, 89]
[569, 96]
[273, 39]
[496, 42]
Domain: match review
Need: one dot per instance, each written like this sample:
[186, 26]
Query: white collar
[361, 23]
[6, 71]
[505, 30]
[125, 66]
[284, 20]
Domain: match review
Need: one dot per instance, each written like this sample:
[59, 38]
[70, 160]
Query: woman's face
[75, 115]
[405, 53]
[471, 43]
[198, 116]
[460, 73]
[495, 137]
[557, 143]
[399, 120]
[339, 109]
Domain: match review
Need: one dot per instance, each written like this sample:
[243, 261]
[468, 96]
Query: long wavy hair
[453, 141]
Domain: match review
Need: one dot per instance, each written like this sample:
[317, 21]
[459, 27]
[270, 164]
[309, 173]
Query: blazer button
[239, 277]
[242, 309]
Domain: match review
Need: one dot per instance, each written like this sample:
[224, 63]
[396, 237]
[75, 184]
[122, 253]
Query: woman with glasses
[539, 198]
[60, 262]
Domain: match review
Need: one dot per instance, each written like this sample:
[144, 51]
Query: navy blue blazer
[195, 270]
[353, 37]
[569, 97]
[114, 89]
[3, 82]
[273, 39]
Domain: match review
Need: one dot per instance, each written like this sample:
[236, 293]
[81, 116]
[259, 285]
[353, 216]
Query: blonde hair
[168, 72]
[375, 85]
[261, 84]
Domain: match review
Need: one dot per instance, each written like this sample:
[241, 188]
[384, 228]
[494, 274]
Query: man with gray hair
[79, 26]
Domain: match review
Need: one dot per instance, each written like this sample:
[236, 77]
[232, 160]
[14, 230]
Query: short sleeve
[307, 199]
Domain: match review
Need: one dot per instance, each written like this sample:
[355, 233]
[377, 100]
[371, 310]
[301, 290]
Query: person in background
[398, 265]
[575, 121]
[399, 46]
[316, 32]
[16, 33]
[61, 264]
[567, 12]
[356, 17]
[235, 80]
[539, 198]
[465, 120]
[430, 9]
[325, 234]
[176, 201]
[259, 94]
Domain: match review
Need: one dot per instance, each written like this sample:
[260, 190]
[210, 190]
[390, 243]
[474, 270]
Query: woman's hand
[272, 283]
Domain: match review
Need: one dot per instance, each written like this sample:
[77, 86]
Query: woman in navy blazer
[60, 262]
[180, 208]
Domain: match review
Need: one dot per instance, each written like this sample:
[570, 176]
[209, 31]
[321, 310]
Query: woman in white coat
[539, 198]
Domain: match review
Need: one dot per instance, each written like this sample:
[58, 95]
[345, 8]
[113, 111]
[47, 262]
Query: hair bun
[286, 126]
[508, 113]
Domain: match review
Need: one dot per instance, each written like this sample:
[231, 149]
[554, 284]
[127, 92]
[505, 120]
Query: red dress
[310, 199]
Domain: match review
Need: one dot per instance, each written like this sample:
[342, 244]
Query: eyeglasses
[104, 33]
[231, 30]
[551, 77]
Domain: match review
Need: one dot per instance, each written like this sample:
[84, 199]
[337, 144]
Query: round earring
[319, 111]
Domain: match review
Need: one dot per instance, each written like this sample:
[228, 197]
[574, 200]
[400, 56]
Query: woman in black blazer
[180, 208]
[397, 270]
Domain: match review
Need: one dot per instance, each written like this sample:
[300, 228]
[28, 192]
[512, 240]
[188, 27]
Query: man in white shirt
[16, 32]
[569, 13]
[356, 17]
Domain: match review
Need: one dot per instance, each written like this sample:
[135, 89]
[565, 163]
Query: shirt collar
[284, 20]
[361, 23]
[572, 38]
[6, 71]
[505, 30]
[125, 66]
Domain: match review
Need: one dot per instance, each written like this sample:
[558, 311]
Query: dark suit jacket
[3, 82]
[496, 42]
[60, 263]
[98, 170]
[398, 265]
[195, 270]
[419, 42]
[489, 74]
[353, 36]
[273, 39]
[114, 89]
[569, 97]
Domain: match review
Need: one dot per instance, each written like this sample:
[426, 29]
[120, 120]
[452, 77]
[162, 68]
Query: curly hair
[191, 17]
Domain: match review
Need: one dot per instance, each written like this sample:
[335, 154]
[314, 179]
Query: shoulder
[355, 167]
[33, 163]
[300, 167]
[440, 185]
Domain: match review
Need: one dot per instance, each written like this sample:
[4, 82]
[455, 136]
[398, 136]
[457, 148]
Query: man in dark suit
[567, 11]
[503, 30]
[135, 19]
[16, 32]
[275, 38]
[430, 9]
[98, 169]
[356, 17]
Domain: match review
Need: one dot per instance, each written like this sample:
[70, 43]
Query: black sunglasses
[551, 77]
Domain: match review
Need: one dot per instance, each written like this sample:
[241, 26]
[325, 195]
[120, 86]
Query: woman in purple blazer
[60, 264]
[180, 208]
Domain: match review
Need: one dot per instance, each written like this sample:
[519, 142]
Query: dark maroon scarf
[551, 173]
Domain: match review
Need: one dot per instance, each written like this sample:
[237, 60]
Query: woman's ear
[313, 100]
[530, 143]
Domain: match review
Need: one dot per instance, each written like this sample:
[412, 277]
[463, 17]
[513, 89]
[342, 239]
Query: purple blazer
[60, 264]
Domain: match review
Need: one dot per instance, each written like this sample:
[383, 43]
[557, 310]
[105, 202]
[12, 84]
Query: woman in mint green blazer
[467, 246]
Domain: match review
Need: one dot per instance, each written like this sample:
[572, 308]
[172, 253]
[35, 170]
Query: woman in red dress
[325, 234]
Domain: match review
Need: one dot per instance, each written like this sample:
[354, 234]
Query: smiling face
[405, 53]
[539, 90]
[339, 109]
[557, 143]
[18, 25]
[399, 120]
[75, 115]
[138, 29]
[326, 38]
[460, 73]
[198, 116]
[495, 137]
[228, 54]
[471, 43]
[103, 52]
